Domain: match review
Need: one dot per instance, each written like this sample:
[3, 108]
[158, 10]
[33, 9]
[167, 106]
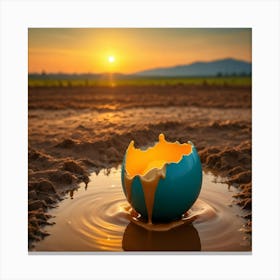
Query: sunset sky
[128, 50]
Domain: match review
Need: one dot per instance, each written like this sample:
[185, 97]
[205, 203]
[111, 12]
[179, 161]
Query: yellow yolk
[140, 162]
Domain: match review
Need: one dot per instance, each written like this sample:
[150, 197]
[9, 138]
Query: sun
[111, 59]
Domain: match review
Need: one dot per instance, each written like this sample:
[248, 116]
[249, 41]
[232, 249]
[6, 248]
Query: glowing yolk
[140, 162]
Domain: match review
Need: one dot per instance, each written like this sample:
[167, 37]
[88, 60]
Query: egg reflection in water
[162, 182]
[181, 238]
[98, 219]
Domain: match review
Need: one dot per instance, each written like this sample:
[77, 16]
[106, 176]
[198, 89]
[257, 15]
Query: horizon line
[134, 73]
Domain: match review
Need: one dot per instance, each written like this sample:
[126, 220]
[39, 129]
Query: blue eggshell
[175, 194]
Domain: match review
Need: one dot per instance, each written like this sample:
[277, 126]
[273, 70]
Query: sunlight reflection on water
[97, 218]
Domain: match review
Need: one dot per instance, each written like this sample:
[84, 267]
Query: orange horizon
[73, 50]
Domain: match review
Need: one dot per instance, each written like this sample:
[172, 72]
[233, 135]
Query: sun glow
[111, 59]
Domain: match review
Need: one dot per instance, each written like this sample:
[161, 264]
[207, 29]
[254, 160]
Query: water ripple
[99, 219]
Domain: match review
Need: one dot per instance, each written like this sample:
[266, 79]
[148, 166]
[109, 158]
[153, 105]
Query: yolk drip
[140, 162]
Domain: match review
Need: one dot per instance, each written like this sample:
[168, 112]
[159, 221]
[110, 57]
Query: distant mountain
[227, 66]
[214, 68]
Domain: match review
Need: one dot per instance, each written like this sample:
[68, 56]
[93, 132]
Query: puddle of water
[97, 218]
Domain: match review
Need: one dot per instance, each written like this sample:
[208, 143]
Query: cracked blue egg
[162, 182]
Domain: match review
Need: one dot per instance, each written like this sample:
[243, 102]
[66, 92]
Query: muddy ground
[73, 131]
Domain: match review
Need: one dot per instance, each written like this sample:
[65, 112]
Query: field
[46, 81]
[75, 130]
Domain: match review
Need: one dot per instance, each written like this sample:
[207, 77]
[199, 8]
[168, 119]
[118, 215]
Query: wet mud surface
[75, 131]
